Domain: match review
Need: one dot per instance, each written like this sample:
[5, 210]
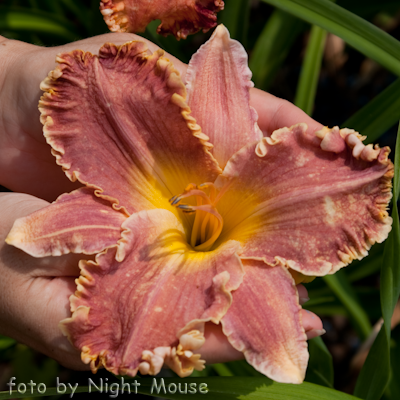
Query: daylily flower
[204, 233]
[179, 17]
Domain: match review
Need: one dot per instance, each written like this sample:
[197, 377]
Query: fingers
[23, 149]
[217, 349]
[17, 205]
[34, 296]
[303, 294]
[312, 324]
[34, 292]
[30, 312]
[275, 113]
[93, 45]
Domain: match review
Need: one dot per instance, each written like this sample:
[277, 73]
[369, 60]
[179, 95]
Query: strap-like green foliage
[378, 115]
[359, 33]
[236, 18]
[37, 21]
[375, 374]
[221, 388]
[273, 45]
[55, 22]
[307, 86]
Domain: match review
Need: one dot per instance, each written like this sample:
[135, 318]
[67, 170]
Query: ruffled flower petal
[218, 83]
[119, 123]
[145, 301]
[179, 17]
[311, 202]
[264, 322]
[78, 222]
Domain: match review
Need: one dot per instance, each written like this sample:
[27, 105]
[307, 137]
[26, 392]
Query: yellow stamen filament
[203, 228]
[208, 223]
[197, 222]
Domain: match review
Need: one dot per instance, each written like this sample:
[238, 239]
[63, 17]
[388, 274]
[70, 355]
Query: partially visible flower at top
[205, 233]
[179, 17]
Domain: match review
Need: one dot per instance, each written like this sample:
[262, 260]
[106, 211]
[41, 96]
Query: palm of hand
[34, 292]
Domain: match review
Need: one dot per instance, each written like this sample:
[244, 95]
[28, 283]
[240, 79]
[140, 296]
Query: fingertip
[311, 321]
[217, 348]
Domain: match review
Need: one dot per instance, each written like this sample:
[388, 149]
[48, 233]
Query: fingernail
[315, 333]
[303, 300]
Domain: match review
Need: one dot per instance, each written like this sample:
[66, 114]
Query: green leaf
[45, 370]
[235, 17]
[390, 274]
[36, 21]
[222, 370]
[396, 180]
[96, 21]
[309, 76]
[272, 46]
[380, 114]
[345, 293]
[320, 365]
[375, 373]
[6, 342]
[366, 8]
[393, 390]
[221, 388]
[367, 266]
[357, 32]
[242, 368]
[80, 11]
[53, 6]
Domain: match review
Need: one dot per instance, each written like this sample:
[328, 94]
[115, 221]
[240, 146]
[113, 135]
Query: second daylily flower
[179, 17]
[204, 233]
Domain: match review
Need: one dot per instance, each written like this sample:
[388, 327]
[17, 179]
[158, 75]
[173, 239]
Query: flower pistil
[208, 222]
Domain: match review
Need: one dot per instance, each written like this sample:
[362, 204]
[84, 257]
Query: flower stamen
[208, 223]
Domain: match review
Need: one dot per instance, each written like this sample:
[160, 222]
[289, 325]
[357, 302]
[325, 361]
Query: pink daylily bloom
[179, 17]
[188, 231]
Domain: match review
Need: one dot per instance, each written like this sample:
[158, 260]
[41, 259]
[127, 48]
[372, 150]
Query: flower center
[208, 222]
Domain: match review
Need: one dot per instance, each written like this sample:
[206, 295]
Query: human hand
[26, 164]
[34, 296]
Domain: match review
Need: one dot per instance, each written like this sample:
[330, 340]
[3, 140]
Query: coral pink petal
[151, 308]
[77, 222]
[264, 323]
[218, 83]
[179, 17]
[120, 124]
[309, 203]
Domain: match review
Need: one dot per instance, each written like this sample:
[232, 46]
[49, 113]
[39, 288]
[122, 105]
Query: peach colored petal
[179, 17]
[119, 123]
[77, 222]
[264, 322]
[146, 300]
[302, 201]
[218, 83]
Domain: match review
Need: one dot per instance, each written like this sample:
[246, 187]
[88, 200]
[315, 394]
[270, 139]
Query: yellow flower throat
[208, 222]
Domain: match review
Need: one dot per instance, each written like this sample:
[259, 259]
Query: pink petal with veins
[77, 222]
[264, 323]
[218, 83]
[119, 123]
[145, 302]
[179, 17]
[313, 209]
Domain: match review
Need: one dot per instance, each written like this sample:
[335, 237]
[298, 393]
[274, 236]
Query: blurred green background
[354, 85]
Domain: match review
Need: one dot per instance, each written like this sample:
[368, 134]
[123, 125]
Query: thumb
[18, 205]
